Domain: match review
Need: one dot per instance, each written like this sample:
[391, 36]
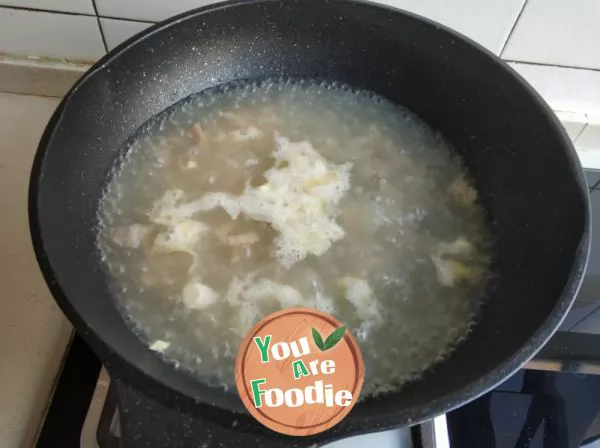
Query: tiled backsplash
[147, 10]
[559, 32]
[554, 44]
[116, 31]
[48, 34]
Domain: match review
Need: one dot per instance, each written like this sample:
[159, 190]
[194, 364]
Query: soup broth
[249, 198]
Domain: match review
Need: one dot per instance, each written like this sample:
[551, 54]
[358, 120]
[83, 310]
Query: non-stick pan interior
[522, 162]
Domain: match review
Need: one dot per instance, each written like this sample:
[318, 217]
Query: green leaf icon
[318, 339]
[334, 338]
[331, 340]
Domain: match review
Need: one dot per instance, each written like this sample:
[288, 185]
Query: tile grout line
[72, 13]
[100, 26]
[510, 33]
[26, 8]
[585, 318]
[543, 64]
[124, 19]
[583, 128]
[150, 22]
[38, 95]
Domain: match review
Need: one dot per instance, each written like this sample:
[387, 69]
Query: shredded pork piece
[453, 262]
[266, 290]
[131, 236]
[198, 132]
[460, 246]
[180, 234]
[450, 272]
[462, 192]
[181, 237]
[197, 296]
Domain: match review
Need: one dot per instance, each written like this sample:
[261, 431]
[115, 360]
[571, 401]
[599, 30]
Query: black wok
[524, 166]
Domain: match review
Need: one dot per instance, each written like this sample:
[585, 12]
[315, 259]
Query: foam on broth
[379, 227]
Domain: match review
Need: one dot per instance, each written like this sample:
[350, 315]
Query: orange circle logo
[299, 371]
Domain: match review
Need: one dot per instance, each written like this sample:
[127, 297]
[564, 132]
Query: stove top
[551, 404]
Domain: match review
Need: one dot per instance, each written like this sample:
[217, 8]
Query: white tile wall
[590, 136]
[486, 21]
[151, 10]
[565, 89]
[78, 6]
[588, 149]
[562, 32]
[556, 32]
[50, 34]
[574, 122]
[117, 31]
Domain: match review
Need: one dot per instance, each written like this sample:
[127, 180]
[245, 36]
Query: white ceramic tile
[565, 89]
[590, 137]
[486, 21]
[557, 32]
[79, 6]
[117, 31]
[50, 34]
[588, 143]
[573, 122]
[589, 158]
[151, 10]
